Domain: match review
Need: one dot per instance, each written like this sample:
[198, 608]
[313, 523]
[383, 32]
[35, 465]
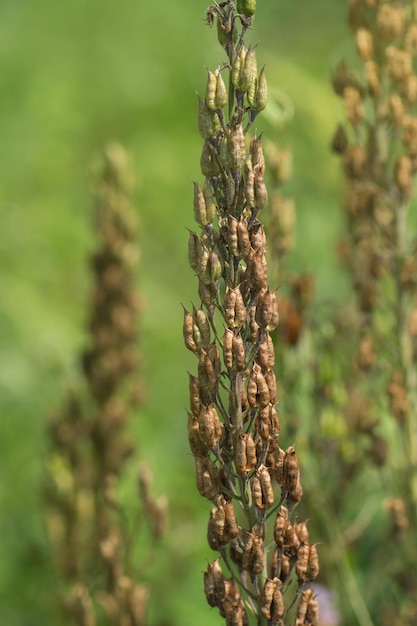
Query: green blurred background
[75, 75]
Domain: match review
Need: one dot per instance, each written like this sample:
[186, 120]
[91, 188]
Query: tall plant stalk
[266, 562]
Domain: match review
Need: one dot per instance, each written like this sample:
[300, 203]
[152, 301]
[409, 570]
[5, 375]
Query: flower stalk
[266, 562]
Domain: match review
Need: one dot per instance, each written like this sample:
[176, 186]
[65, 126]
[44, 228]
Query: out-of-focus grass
[75, 75]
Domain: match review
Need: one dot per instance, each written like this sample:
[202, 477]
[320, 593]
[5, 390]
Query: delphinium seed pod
[233, 424]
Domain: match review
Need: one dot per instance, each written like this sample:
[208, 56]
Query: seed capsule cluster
[233, 425]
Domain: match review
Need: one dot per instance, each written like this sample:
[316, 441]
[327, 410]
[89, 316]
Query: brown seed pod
[285, 567]
[231, 528]
[267, 310]
[302, 532]
[202, 327]
[207, 478]
[240, 454]
[280, 526]
[247, 550]
[237, 147]
[301, 564]
[313, 563]
[195, 398]
[279, 467]
[212, 536]
[200, 209]
[232, 237]
[257, 558]
[243, 238]
[234, 308]
[265, 355]
[188, 332]
[228, 348]
[290, 469]
[251, 458]
[198, 448]
[257, 498]
[260, 192]
[208, 121]
[209, 367]
[271, 382]
[266, 486]
[257, 238]
[267, 596]
[256, 153]
[238, 354]
[209, 163]
[278, 606]
[302, 607]
[207, 293]
[364, 44]
[292, 542]
[312, 616]
[257, 271]
[210, 427]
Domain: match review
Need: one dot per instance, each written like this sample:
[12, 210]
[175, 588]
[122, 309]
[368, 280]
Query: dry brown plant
[266, 561]
[92, 537]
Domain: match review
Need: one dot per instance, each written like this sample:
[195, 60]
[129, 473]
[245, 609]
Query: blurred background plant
[76, 75]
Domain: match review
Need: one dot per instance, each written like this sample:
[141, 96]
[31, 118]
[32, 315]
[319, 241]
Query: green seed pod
[246, 7]
[249, 71]
[208, 162]
[221, 97]
[261, 95]
[211, 90]
[237, 147]
[208, 120]
[237, 66]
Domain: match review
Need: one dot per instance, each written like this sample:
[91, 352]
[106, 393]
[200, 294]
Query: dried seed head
[267, 596]
[301, 564]
[278, 606]
[257, 557]
[266, 487]
[302, 607]
[214, 584]
[228, 348]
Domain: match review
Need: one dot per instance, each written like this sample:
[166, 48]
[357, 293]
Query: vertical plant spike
[90, 532]
[266, 563]
[378, 148]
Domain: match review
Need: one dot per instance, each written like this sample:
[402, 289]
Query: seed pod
[256, 153]
[278, 606]
[364, 44]
[250, 185]
[306, 596]
[240, 454]
[249, 71]
[209, 163]
[195, 399]
[234, 308]
[212, 536]
[257, 271]
[265, 355]
[313, 563]
[279, 467]
[209, 367]
[260, 191]
[280, 526]
[243, 238]
[261, 94]
[206, 478]
[211, 209]
[340, 140]
[285, 567]
[207, 293]
[237, 66]
[295, 495]
[214, 267]
[198, 448]
[312, 616]
[266, 486]
[267, 314]
[257, 492]
[246, 7]
[228, 348]
[214, 584]
[211, 90]
[302, 532]
[247, 551]
[257, 560]
[290, 469]
[208, 121]
[257, 238]
[188, 332]
[267, 596]
[211, 428]
[238, 354]
[221, 92]
[200, 212]
[251, 458]
[193, 250]
[272, 386]
[301, 564]
[231, 528]
[292, 543]
[232, 236]
[237, 147]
